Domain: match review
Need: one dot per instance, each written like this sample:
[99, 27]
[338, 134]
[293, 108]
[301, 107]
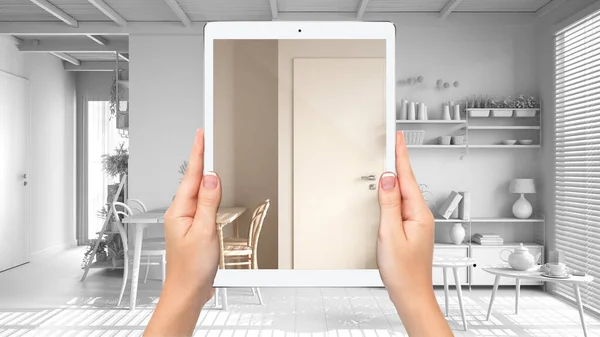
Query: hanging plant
[114, 102]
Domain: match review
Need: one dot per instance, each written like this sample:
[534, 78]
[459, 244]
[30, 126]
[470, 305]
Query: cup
[458, 140]
[445, 140]
[556, 269]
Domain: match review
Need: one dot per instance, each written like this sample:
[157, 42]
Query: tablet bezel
[278, 30]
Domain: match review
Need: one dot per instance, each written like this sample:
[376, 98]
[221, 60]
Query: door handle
[25, 176]
[371, 177]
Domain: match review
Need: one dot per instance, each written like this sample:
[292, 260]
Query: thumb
[389, 204]
[209, 198]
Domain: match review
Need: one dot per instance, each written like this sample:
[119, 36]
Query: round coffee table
[446, 262]
[574, 281]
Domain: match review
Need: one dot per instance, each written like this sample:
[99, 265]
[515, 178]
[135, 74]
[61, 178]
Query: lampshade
[522, 186]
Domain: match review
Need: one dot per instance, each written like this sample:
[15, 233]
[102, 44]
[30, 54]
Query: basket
[414, 137]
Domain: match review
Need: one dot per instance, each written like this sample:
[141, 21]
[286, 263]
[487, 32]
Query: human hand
[405, 248]
[192, 249]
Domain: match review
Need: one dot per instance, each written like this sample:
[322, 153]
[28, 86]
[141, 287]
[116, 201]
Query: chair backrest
[256, 223]
[137, 206]
[125, 212]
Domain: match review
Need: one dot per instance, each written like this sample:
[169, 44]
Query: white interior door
[339, 137]
[14, 165]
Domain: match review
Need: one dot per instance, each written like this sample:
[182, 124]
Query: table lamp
[522, 208]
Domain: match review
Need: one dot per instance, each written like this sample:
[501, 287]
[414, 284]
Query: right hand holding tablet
[405, 249]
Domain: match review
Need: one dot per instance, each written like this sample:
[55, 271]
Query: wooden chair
[244, 251]
[149, 249]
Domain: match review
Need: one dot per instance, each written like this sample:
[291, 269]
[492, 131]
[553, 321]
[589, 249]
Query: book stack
[488, 239]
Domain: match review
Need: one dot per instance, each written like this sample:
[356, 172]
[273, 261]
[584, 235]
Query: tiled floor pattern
[46, 300]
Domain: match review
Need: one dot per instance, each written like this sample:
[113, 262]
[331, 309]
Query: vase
[411, 115]
[403, 107]
[422, 112]
[457, 233]
[456, 115]
[446, 113]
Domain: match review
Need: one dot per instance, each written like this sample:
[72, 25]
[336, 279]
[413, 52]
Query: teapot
[520, 258]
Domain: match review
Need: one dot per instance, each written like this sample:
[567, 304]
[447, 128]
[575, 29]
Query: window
[578, 152]
[103, 138]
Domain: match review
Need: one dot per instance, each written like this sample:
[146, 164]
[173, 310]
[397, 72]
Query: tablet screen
[299, 144]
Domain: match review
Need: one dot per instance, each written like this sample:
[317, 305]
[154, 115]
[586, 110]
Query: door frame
[299, 30]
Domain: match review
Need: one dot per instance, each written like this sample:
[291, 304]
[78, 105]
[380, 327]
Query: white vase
[411, 111]
[457, 233]
[446, 113]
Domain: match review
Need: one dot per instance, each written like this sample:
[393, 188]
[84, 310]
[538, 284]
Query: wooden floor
[45, 298]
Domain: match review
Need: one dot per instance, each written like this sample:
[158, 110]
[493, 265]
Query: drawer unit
[489, 256]
[455, 251]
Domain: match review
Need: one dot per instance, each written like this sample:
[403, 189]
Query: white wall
[166, 103]
[545, 30]
[486, 54]
[52, 183]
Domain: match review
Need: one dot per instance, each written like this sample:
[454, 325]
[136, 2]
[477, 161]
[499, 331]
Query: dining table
[155, 217]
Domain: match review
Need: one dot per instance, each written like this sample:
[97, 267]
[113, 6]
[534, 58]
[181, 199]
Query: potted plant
[115, 250]
[526, 106]
[478, 107]
[116, 165]
[100, 254]
[501, 107]
[103, 213]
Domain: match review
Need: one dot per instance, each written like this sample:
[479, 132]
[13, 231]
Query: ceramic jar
[457, 233]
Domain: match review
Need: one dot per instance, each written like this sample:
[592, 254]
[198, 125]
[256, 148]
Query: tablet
[299, 121]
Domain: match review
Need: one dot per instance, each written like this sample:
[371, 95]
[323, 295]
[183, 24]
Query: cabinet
[532, 230]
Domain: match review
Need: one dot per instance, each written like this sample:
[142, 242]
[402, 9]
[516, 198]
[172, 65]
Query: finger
[209, 198]
[389, 204]
[412, 200]
[186, 198]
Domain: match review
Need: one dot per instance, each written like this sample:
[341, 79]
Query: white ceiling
[212, 10]
[76, 12]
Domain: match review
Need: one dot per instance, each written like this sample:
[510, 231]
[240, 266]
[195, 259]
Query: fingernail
[210, 180]
[388, 181]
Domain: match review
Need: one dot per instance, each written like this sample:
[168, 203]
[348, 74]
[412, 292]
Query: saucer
[564, 276]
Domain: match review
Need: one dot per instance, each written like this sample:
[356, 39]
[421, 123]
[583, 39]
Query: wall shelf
[505, 127]
[431, 121]
[508, 244]
[504, 146]
[437, 146]
[516, 220]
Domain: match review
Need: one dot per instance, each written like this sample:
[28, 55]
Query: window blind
[577, 204]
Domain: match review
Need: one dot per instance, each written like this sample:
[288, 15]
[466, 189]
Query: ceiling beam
[450, 6]
[274, 9]
[549, 7]
[108, 11]
[15, 40]
[108, 66]
[57, 12]
[176, 8]
[362, 8]
[98, 39]
[99, 28]
[67, 57]
[66, 45]
[124, 57]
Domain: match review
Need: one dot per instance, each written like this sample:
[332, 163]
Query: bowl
[526, 141]
[509, 142]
